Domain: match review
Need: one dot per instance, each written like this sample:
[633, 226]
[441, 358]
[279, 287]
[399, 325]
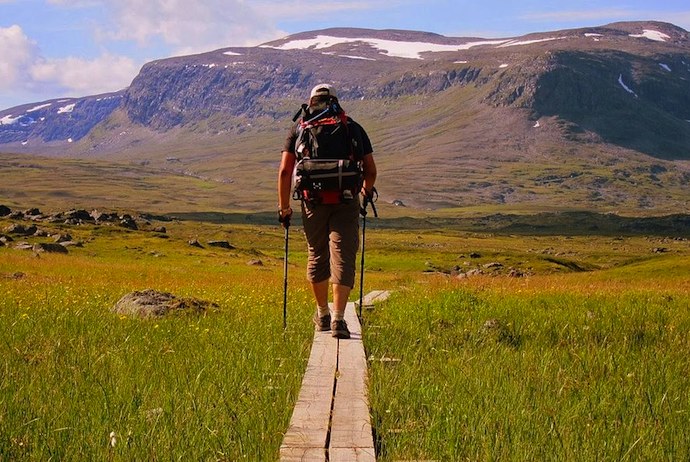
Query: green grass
[214, 387]
[461, 373]
[577, 366]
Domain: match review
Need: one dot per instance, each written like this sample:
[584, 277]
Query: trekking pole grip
[372, 201]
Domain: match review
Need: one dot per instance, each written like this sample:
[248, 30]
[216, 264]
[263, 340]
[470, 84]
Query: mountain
[592, 118]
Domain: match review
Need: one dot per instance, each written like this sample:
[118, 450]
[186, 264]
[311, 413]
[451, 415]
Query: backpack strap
[305, 125]
[350, 142]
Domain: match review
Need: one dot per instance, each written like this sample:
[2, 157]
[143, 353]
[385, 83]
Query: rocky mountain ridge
[370, 64]
[591, 107]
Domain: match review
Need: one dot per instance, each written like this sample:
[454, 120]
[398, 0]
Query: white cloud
[309, 9]
[23, 70]
[212, 24]
[82, 77]
[74, 3]
[189, 28]
[18, 52]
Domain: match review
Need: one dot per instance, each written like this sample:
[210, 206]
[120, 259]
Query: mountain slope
[591, 118]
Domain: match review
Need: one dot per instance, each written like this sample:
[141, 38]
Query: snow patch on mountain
[652, 35]
[9, 120]
[514, 43]
[39, 107]
[625, 87]
[357, 57]
[66, 109]
[108, 97]
[397, 49]
[665, 67]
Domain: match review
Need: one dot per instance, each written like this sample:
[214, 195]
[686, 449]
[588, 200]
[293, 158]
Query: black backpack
[328, 170]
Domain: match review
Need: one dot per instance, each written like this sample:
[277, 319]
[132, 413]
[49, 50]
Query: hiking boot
[339, 329]
[322, 323]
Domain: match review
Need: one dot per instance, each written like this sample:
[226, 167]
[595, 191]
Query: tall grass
[558, 365]
[480, 375]
[78, 382]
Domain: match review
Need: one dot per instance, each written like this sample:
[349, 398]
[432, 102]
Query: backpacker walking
[332, 158]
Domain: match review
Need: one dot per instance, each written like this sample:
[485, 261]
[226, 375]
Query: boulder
[59, 238]
[49, 247]
[151, 303]
[128, 222]
[4, 210]
[195, 243]
[33, 212]
[103, 216]
[160, 229]
[222, 244]
[21, 230]
[255, 263]
[5, 239]
[82, 215]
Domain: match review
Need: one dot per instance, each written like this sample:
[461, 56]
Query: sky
[72, 48]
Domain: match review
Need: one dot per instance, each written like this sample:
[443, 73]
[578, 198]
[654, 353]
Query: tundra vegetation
[550, 345]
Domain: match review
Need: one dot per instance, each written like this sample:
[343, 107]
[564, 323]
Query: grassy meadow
[580, 354]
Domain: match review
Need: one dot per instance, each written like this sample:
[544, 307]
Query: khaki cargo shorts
[332, 240]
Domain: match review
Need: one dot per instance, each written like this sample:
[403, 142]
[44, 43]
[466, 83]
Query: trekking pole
[286, 225]
[363, 212]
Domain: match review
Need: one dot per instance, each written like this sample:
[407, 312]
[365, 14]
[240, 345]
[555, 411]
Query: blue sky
[63, 48]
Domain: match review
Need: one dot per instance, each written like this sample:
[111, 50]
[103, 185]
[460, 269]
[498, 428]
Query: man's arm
[369, 167]
[287, 165]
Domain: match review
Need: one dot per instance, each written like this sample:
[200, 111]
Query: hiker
[332, 158]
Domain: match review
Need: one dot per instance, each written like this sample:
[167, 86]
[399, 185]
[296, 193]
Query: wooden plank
[351, 455]
[373, 297]
[351, 425]
[302, 454]
[306, 436]
[348, 427]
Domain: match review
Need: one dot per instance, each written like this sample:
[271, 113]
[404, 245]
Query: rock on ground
[49, 247]
[151, 303]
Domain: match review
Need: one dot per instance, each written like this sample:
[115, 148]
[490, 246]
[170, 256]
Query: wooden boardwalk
[331, 420]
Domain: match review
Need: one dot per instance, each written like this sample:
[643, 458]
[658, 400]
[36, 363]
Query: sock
[338, 316]
[323, 310]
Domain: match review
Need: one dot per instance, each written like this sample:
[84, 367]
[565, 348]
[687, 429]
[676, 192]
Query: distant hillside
[594, 118]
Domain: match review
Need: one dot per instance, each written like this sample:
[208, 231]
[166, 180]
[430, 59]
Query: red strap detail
[341, 118]
[324, 121]
[330, 197]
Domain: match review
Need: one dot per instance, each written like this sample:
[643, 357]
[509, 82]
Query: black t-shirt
[356, 132]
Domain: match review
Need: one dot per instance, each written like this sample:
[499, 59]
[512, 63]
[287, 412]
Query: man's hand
[284, 216]
[369, 196]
